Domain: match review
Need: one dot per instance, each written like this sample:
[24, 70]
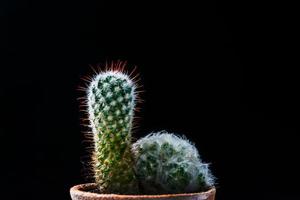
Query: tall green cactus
[166, 163]
[111, 103]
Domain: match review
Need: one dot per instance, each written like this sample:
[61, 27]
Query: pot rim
[82, 190]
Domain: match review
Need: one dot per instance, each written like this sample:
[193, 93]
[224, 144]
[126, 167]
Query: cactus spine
[166, 163]
[111, 103]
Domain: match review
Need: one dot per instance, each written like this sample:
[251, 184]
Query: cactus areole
[160, 166]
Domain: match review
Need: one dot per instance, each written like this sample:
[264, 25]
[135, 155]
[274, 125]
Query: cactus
[166, 163]
[111, 103]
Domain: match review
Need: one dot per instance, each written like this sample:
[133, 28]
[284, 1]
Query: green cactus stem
[111, 103]
[166, 163]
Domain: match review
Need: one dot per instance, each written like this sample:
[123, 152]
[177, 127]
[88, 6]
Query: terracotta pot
[83, 192]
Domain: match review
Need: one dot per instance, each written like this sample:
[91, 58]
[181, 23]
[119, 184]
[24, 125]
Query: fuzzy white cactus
[166, 163]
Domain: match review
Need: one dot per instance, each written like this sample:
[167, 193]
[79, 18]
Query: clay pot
[83, 192]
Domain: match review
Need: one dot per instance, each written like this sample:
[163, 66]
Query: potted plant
[159, 166]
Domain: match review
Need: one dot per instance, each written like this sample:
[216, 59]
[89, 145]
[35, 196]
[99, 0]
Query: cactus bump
[166, 163]
[111, 103]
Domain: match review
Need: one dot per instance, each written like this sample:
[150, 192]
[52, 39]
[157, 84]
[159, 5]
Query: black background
[222, 73]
